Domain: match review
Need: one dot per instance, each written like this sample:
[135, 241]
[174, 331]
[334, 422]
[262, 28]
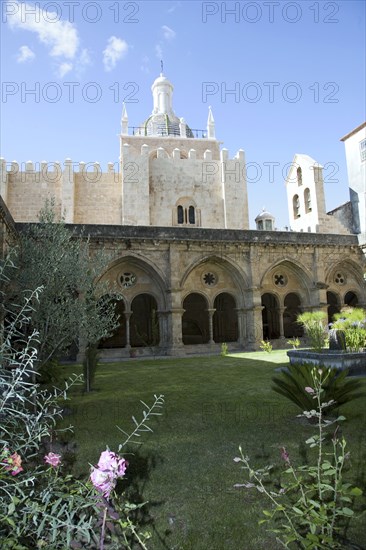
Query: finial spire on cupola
[124, 120]
[210, 124]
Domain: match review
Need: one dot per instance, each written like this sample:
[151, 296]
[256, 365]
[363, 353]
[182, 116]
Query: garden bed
[354, 361]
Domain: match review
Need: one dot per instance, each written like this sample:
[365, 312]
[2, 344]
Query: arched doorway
[225, 319]
[270, 317]
[291, 327]
[333, 305]
[144, 323]
[195, 324]
[118, 338]
[351, 299]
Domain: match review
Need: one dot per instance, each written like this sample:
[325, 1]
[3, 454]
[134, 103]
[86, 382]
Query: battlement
[43, 168]
[130, 149]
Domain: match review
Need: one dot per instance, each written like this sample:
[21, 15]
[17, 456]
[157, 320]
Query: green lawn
[185, 469]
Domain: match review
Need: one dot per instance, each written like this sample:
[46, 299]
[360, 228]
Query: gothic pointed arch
[195, 320]
[144, 324]
[285, 276]
[213, 273]
[118, 338]
[225, 318]
[293, 308]
[270, 316]
[334, 305]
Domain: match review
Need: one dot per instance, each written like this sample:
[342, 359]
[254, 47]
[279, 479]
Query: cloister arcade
[214, 302]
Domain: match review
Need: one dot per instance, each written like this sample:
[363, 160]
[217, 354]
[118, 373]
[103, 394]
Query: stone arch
[351, 299]
[298, 275]
[307, 200]
[299, 175]
[186, 212]
[195, 321]
[292, 303]
[149, 279]
[118, 338]
[349, 267]
[270, 316]
[225, 318]
[296, 206]
[334, 305]
[144, 325]
[237, 285]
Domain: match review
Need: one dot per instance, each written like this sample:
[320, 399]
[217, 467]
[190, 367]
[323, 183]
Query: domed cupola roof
[264, 215]
[163, 121]
[265, 221]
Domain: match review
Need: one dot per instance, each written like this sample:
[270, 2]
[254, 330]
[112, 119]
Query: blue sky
[296, 71]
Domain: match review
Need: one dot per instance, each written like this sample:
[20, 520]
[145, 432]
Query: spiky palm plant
[338, 388]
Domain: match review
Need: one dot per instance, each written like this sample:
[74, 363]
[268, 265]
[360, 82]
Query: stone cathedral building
[174, 218]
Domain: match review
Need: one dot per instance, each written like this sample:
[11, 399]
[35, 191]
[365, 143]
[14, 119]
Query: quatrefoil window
[127, 279]
[339, 279]
[280, 279]
[209, 279]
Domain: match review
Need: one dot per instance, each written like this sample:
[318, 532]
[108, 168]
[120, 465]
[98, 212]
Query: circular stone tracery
[339, 278]
[280, 279]
[209, 278]
[127, 279]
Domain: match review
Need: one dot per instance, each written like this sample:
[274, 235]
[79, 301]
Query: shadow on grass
[133, 487]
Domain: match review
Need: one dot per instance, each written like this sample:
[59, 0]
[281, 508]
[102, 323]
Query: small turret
[265, 221]
[124, 121]
[210, 125]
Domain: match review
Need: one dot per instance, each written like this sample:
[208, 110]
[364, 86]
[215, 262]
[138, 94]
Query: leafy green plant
[352, 324]
[41, 506]
[336, 387]
[309, 509]
[224, 349]
[314, 325]
[294, 342]
[266, 346]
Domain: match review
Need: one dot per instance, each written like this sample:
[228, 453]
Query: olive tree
[74, 305]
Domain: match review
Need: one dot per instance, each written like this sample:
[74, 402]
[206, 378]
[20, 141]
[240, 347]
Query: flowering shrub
[110, 467]
[53, 459]
[40, 505]
[352, 324]
[12, 463]
[313, 500]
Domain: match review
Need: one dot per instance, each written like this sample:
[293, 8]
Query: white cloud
[61, 37]
[64, 68]
[169, 34]
[25, 54]
[115, 50]
[159, 51]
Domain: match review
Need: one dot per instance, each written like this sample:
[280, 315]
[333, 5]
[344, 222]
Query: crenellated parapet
[79, 189]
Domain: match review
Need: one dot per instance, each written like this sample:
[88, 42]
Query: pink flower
[284, 455]
[112, 462]
[13, 464]
[104, 476]
[308, 389]
[53, 459]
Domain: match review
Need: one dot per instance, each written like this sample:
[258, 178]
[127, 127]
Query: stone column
[176, 342]
[163, 329]
[255, 327]
[281, 311]
[210, 324]
[242, 325]
[127, 315]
